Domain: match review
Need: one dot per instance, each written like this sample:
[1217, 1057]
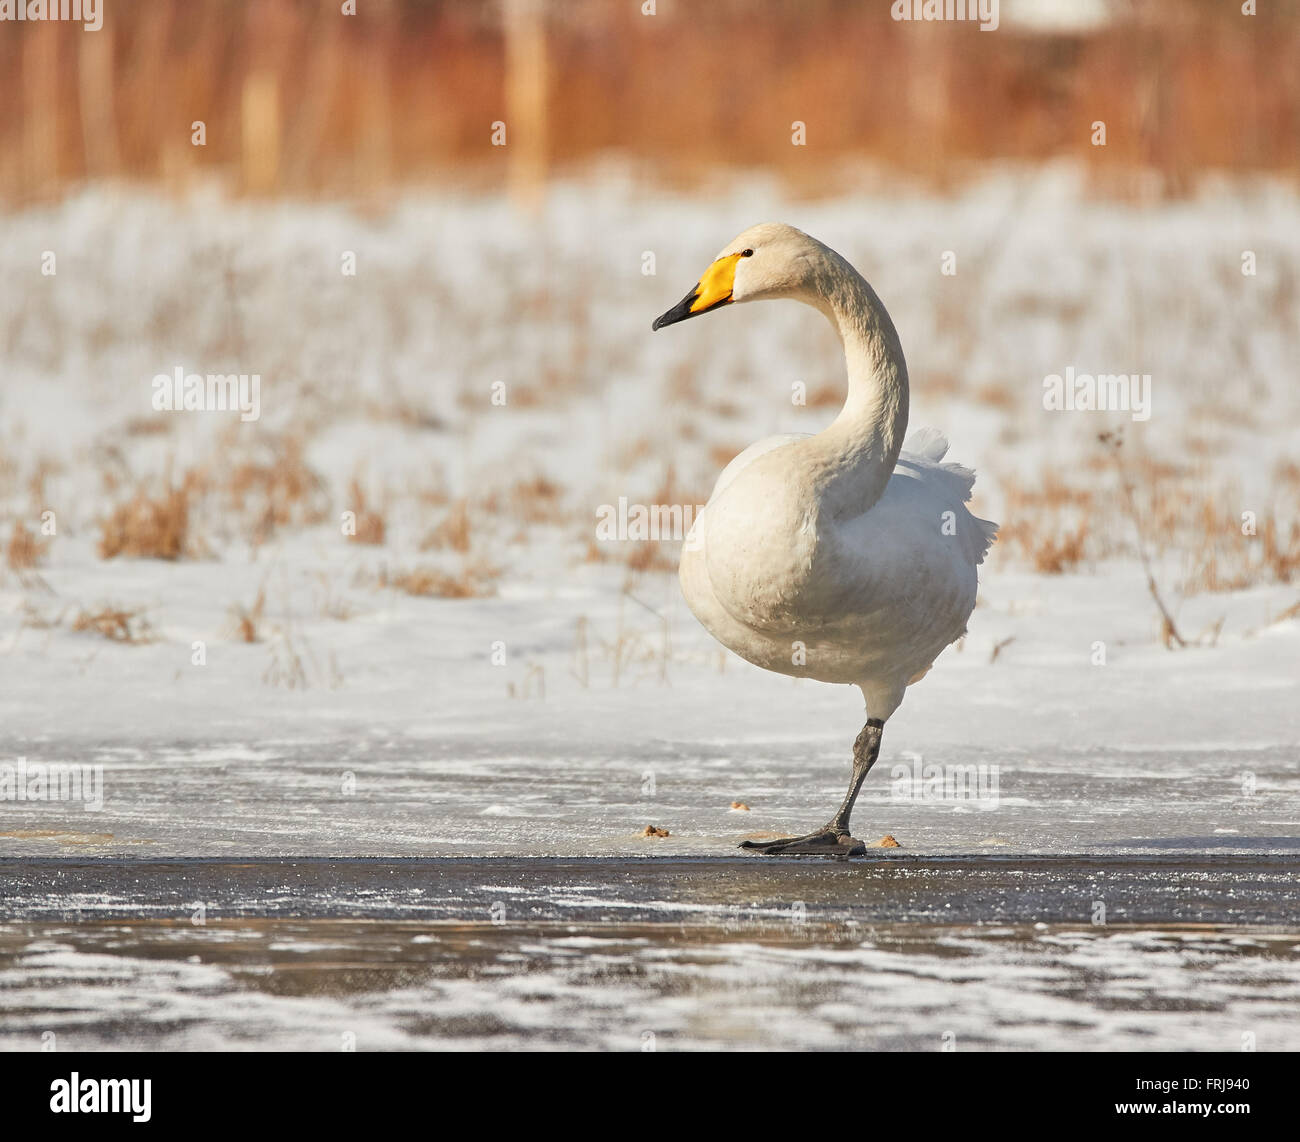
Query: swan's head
[767, 260]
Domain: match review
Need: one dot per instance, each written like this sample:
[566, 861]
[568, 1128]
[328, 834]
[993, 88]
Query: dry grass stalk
[45, 467]
[147, 426]
[24, 550]
[116, 625]
[532, 685]
[370, 527]
[280, 489]
[1169, 630]
[1055, 526]
[1048, 523]
[147, 527]
[286, 666]
[650, 555]
[999, 647]
[248, 619]
[473, 582]
[453, 531]
[537, 500]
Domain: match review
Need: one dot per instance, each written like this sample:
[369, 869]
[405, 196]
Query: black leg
[834, 838]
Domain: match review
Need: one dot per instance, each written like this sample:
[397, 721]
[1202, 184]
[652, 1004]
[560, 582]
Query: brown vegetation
[148, 527]
[115, 624]
[370, 527]
[453, 531]
[247, 620]
[473, 581]
[274, 483]
[25, 550]
[406, 89]
[1170, 510]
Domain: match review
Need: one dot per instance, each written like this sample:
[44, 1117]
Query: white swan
[846, 556]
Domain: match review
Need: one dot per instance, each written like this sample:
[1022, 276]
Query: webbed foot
[825, 843]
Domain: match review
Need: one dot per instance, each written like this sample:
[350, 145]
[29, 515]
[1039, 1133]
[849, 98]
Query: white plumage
[846, 556]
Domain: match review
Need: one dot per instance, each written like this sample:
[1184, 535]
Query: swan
[846, 556]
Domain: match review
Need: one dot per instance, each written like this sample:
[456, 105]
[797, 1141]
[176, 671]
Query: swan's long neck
[858, 451]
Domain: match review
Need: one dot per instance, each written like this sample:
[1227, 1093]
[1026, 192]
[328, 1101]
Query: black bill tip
[679, 312]
[682, 310]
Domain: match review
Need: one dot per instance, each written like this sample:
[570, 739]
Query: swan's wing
[921, 459]
[750, 454]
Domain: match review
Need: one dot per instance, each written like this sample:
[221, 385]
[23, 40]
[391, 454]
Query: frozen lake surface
[368, 794]
[890, 952]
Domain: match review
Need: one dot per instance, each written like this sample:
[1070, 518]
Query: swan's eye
[746, 253]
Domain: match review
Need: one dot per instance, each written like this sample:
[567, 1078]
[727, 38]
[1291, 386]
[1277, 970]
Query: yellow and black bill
[712, 291]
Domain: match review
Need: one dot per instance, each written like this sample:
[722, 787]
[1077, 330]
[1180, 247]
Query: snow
[612, 710]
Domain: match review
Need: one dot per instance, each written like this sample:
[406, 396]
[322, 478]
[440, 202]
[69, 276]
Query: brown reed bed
[297, 98]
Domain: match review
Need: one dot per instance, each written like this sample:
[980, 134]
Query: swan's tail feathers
[977, 535]
[985, 533]
[929, 443]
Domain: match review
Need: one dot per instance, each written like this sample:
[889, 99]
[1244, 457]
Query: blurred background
[302, 100]
[437, 231]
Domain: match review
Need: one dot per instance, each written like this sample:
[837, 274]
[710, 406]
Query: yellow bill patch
[716, 284]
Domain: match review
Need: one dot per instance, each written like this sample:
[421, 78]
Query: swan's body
[843, 556]
[873, 597]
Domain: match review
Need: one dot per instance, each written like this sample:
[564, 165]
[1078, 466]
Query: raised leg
[834, 838]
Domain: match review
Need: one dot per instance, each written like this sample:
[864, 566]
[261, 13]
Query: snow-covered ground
[445, 760]
[576, 696]
[549, 694]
